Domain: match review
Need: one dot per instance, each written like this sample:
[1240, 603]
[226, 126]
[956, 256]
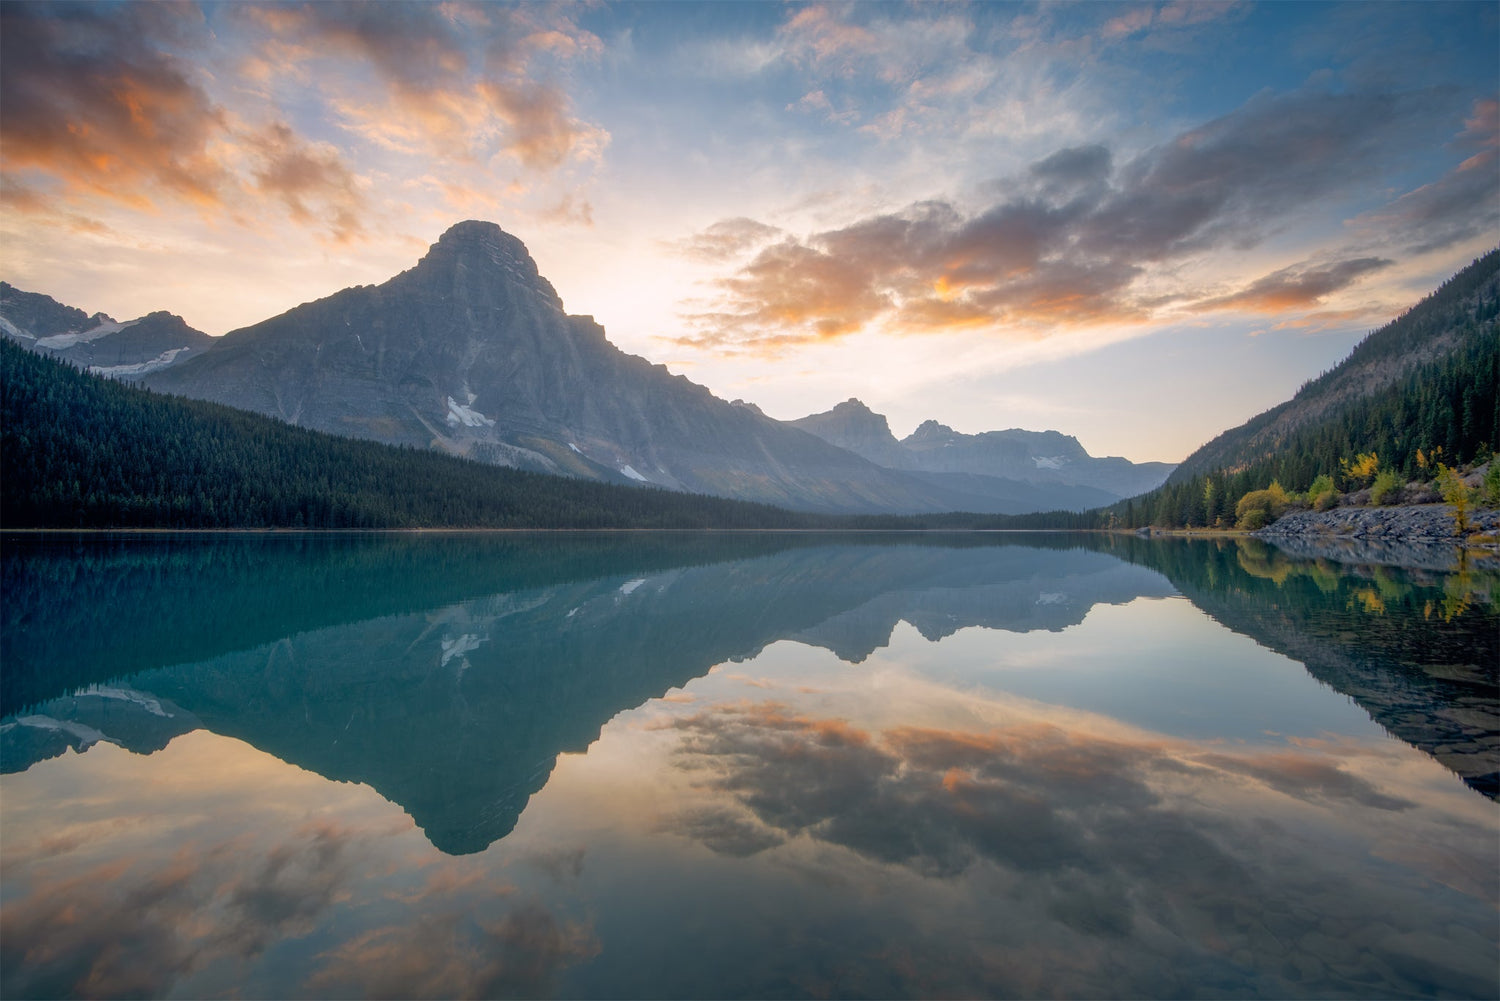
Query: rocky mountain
[98, 343]
[1460, 318]
[471, 352]
[1042, 459]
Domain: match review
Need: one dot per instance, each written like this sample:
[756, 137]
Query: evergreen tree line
[79, 451]
[1446, 411]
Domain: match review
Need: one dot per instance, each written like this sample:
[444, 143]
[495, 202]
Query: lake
[758, 765]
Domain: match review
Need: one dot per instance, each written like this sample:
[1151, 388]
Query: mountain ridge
[1043, 460]
[1427, 332]
[97, 342]
[470, 352]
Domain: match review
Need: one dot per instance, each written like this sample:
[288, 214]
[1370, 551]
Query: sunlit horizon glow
[1136, 223]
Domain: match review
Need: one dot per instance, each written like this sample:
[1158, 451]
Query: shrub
[1387, 488]
[1322, 494]
[1255, 517]
[1456, 492]
[1259, 508]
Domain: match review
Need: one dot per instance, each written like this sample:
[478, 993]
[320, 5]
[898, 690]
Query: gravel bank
[1419, 536]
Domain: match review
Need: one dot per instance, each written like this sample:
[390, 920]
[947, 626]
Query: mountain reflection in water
[979, 765]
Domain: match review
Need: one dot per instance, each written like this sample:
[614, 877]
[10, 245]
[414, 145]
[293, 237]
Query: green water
[698, 765]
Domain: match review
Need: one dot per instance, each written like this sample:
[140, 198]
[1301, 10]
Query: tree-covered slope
[1418, 382]
[77, 450]
[1422, 390]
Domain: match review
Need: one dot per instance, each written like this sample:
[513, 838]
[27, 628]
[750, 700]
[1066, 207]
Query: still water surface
[745, 765]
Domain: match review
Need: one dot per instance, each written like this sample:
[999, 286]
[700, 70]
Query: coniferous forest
[80, 451]
[1443, 411]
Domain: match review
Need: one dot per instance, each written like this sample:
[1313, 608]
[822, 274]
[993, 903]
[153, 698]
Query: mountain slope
[1039, 463]
[1460, 317]
[98, 343]
[77, 450]
[1424, 387]
[471, 352]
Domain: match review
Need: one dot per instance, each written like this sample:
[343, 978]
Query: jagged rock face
[1039, 458]
[471, 352]
[856, 427]
[98, 343]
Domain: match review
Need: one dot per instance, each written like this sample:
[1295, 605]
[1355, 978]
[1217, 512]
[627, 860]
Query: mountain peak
[477, 244]
[929, 430]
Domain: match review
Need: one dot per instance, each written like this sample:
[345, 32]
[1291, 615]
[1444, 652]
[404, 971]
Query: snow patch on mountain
[466, 643]
[156, 364]
[630, 472]
[467, 416]
[87, 736]
[15, 331]
[1049, 461]
[146, 702]
[58, 342]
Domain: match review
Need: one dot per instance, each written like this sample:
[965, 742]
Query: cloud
[119, 931]
[454, 956]
[1065, 243]
[115, 103]
[1296, 287]
[1308, 778]
[1165, 17]
[89, 96]
[1461, 205]
[94, 106]
[1111, 851]
[311, 180]
[725, 240]
[452, 79]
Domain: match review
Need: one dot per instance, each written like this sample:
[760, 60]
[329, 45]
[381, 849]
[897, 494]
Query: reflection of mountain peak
[458, 713]
[137, 721]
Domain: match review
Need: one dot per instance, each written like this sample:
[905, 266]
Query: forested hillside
[79, 451]
[1421, 392]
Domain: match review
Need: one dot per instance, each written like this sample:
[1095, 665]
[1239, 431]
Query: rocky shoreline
[1417, 535]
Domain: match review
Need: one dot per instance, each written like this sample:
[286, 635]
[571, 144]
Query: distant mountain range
[471, 352]
[1041, 458]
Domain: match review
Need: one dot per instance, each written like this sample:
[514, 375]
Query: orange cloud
[310, 180]
[87, 99]
[456, 80]
[1295, 287]
[92, 106]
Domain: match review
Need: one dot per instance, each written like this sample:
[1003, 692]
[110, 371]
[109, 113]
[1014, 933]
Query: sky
[1139, 224]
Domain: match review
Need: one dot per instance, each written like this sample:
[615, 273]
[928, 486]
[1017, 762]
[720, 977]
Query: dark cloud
[453, 956]
[724, 831]
[1066, 242]
[1296, 287]
[291, 887]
